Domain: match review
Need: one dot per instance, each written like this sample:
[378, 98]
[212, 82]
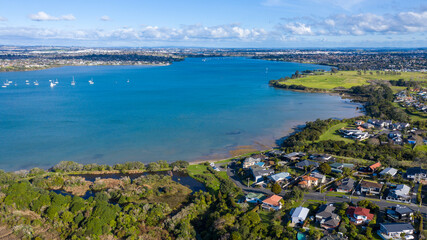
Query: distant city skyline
[221, 23]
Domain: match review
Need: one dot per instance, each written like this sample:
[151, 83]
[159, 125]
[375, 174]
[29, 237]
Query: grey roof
[325, 211]
[397, 227]
[347, 184]
[403, 209]
[307, 163]
[389, 170]
[415, 170]
[259, 171]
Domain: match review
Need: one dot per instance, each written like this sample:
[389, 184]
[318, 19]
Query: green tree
[276, 189]
[325, 168]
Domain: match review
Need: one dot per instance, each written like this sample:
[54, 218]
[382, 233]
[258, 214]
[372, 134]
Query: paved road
[322, 196]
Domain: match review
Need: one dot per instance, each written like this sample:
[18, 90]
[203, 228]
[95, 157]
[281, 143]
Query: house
[412, 140]
[258, 172]
[400, 213]
[356, 134]
[318, 175]
[327, 218]
[307, 163]
[370, 188]
[388, 171]
[401, 194]
[322, 157]
[358, 215]
[254, 197]
[250, 161]
[272, 203]
[396, 230]
[338, 167]
[308, 181]
[380, 123]
[346, 185]
[367, 125]
[275, 153]
[299, 215]
[359, 122]
[279, 177]
[400, 126]
[416, 174]
[395, 134]
[294, 156]
[374, 167]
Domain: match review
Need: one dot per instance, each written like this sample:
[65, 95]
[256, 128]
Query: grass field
[415, 116]
[349, 79]
[211, 181]
[332, 134]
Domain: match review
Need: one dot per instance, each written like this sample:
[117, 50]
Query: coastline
[2, 70]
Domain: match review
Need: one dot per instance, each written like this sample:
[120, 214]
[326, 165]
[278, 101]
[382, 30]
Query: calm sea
[190, 110]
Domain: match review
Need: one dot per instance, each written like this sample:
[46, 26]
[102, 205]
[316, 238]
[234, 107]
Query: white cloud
[2, 19]
[358, 24]
[298, 28]
[42, 16]
[105, 18]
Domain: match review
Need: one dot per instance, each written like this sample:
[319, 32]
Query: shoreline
[86, 65]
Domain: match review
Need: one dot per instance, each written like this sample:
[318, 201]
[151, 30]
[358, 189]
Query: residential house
[367, 125]
[358, 215]
[279, 177]
[307, 164]
[308, 181]
[322, 157]
[272, 203]
[370, 169]
[327, 218]
[338, 167]
[400, 126]
[416, 174]
[254, 197]
[294, 156]
[396, 230]
[318, 175]
[258, 172]
[299, 215]
[388, 171]
[370, 188]
[380, 123]
[412, 140]
[275, 153]
[400, 213]
[346, 185]
[401, 194]
[356, 134]
[359, 122]
[250, 161]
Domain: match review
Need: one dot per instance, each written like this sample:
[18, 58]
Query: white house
[395, 230]
[279, 176]
[390, 171]
[299, 215]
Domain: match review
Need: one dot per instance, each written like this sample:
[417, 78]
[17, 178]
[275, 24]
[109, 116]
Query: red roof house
[272, 202]
[358, 215]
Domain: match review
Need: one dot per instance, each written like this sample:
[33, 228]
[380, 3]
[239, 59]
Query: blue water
[189, 110]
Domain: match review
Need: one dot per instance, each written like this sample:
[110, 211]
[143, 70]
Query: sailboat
[73, 83]
[56, 82]
[128, 81]
[91, 81]
[52, 84]
[36, 83]
[27, 82]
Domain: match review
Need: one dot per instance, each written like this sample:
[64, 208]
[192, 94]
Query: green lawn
[210, 180]
[332, 134]
[415, 116]
[349, 79]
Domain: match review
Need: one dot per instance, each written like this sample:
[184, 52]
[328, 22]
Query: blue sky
[220, 23]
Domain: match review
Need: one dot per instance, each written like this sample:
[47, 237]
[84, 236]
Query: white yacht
[56, 82]
[36, 83]
[27, 82]
[73, 83]
[91, 81]
[52, 84]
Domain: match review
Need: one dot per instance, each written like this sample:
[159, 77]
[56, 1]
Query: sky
[219, 23]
